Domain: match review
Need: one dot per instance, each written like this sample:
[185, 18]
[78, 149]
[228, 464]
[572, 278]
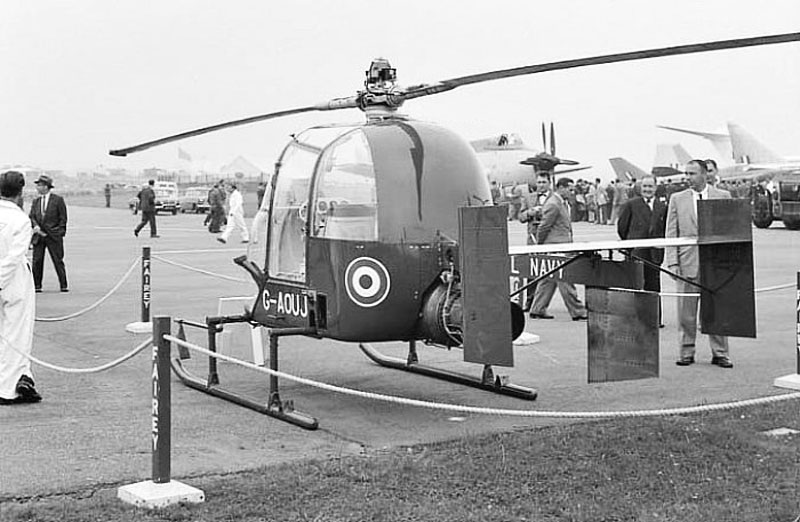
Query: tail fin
[671, 155]
[720, 141]
[625, 170]
[747, 149]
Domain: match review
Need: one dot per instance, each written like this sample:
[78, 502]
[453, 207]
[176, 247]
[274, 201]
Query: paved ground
[94, 429]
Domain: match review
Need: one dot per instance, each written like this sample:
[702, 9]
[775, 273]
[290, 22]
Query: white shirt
[45, 198]
[703, 194]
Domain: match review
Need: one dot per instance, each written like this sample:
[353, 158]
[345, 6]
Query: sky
[85, 76]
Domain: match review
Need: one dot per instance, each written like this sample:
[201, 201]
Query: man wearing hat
[49, 219]
[17, 301]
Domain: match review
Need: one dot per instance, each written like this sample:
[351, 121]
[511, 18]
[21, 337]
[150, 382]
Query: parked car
[195, 199]
[167, 200]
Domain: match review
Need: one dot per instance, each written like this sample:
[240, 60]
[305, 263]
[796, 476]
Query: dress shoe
[25, 390]
[534, 315]
[65, 289]
[135, 232]
[221, 240]
[722, 362]
[685, 361]
[245, 241]
[154, 236]
[38, 290]
[581, 318]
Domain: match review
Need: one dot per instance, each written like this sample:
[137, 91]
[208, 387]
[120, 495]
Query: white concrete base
[788, 381]
[139, 327]
[150, 495]
[525, 339]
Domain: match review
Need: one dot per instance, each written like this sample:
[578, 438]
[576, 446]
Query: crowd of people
[642, 209]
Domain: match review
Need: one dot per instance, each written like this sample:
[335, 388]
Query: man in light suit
[49, 219]
[645, 217]
[682, 222]
[555, 227]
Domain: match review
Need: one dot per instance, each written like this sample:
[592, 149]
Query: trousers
[687, 318]
[55, 246]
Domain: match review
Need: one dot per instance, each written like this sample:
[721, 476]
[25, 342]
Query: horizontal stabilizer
[720, 140]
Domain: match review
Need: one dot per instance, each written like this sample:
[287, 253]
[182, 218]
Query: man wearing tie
[555, 227]
[682, 222]
[645, 217]
[49, 219]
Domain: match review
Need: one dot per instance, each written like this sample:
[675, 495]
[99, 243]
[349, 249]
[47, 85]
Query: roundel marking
[367, 282]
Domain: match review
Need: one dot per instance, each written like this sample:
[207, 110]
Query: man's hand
[38, 231]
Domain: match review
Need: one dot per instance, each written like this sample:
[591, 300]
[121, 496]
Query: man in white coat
[17, 297]
[235, 216]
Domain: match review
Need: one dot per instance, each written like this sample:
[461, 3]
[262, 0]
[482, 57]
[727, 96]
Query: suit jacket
[54, 220]
[147, 199]
[530, 212]
[637, 221]
[555, 226]
[682, 222]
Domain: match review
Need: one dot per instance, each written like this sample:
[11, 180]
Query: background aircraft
[742, 155]
[507, 160]
[668, 163]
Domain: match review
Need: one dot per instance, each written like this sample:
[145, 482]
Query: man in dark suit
[147, 204]
[645, 217]
[48, 216]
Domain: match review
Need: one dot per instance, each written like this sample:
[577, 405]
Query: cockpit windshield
[286, 258]
[345, 201]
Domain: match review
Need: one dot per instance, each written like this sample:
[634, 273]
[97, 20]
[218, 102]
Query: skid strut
[487, 382]
[275, 407]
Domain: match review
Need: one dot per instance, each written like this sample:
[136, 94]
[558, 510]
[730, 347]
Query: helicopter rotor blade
[552, 139]
[446, 85]
[335, 104]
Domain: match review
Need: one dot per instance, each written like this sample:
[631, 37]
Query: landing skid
[487, 382]
[283, 410]
[275, 407]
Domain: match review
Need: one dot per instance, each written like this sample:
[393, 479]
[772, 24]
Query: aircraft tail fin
[747, 149]
[720, 140]
[625, 170]
[671, 155]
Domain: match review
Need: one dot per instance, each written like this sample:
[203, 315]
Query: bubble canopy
[394, 181]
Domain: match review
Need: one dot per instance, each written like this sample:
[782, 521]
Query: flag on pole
[182, 154]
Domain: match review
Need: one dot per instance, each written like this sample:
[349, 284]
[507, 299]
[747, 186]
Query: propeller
[547, 161]
[381, 95]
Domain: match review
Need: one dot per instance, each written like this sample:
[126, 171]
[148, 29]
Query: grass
[711, 467]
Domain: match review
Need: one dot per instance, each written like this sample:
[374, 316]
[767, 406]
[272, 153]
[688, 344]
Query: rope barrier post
[162, 413]
[792, 381]
[161, 491]
[144, 326]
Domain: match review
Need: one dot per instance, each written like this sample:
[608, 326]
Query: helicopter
[385, 231]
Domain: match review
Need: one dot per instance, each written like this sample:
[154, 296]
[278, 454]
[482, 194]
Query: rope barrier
[96, 369]
[199, 270]
[488, 411]
[96, 304]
